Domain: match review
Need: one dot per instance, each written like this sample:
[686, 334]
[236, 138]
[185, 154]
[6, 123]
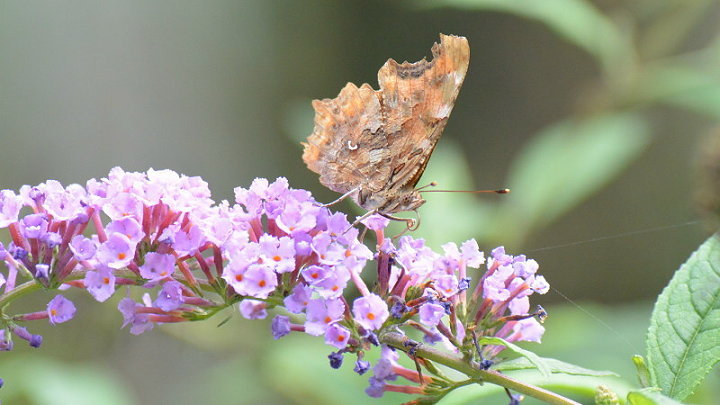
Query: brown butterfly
[373, 145]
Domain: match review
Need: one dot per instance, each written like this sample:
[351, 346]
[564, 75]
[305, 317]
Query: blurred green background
[591, 112]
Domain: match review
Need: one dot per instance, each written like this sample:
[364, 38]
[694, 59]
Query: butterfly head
[390, 201]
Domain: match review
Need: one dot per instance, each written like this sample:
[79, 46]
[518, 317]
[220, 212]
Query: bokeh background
[593, 113]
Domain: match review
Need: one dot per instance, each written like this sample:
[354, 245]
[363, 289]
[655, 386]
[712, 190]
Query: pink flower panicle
[274, 247]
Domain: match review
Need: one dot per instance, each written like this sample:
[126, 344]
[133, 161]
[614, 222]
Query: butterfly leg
[357, 221]
[342, 197]
[410, 223]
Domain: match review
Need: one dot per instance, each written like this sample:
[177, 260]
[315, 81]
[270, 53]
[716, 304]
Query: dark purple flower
[184, 243]
[116, 252]
[328, 250]
[170, 297]
[336, 359]
[252, 309]
[34, 226]
[51, 239]
[315, 274]
[157, 266]
[447, 285]
[82, 247]
[539, 285]
[302, 243]
[280, 326]
[431, 313]
[100, 283]
[527, 330]
[471, 254]
[299, 299]
[361, 367]
[139, 321]
[127, 226]
[17, 252]
[494, 287]
[432, 338]
[371, 337]
[485, 364]
[124, 205]
[278, 253]
[321, 314]
[64, 204]
[398, 309]
[376, 388]
[498, 255]
[34, 340]
[333, 286]
[258, 281]
[337, 336]
[525, 268]
[60, 310]
[294, 217]
[42, 273]
[383, 371]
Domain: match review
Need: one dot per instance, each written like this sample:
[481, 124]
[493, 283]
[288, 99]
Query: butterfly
[374, 145]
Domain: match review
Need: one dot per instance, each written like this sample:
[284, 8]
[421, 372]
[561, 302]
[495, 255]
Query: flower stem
[19, 291]
[397, 340]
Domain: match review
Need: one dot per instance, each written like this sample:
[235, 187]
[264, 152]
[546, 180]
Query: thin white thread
[620, 235]
[585, 311]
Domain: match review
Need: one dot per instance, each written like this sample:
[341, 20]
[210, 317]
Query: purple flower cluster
[275, 247]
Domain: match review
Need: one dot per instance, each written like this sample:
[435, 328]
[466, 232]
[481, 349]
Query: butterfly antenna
[500, 191]
[432, 184]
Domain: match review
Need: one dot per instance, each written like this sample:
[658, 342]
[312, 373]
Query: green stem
[19, 291]
[456, 362]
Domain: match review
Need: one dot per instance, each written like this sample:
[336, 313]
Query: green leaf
[533, 358]
[681, 86]
[683, 341]
[642, 370]
[649, 396]
[555, 366]
[564, 164]
[576, 21]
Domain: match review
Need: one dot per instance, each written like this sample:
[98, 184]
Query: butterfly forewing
[380, 141]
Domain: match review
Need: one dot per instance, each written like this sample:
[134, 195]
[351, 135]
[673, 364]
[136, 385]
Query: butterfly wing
[417, 99]
[348, 147]
[382, 140]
